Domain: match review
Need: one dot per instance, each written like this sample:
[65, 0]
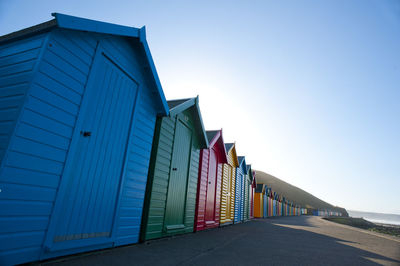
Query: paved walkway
[303, 240]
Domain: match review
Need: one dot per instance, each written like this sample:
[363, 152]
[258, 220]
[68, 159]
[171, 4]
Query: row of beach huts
[93, 156]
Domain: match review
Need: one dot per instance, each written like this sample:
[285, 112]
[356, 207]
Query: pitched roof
[228, 146]
[259, 188]
[174, 103]
[242, 164]
[211, 134]
[215, 139]
[180, 105]
[82, 24]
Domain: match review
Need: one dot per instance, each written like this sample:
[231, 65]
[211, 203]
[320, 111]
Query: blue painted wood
[265, 199]
[239, 196]
[48, 88]
[17, 61]
[239, 190]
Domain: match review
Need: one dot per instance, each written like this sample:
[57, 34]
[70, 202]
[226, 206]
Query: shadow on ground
[258, 242]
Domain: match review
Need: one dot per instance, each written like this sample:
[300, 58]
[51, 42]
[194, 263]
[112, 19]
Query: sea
[375, 217]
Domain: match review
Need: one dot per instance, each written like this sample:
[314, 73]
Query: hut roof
[81, 24]
[180, 105]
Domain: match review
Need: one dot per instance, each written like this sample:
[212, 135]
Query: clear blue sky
[310, 90]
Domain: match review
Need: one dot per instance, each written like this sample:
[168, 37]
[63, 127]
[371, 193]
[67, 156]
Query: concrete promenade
[303, 240]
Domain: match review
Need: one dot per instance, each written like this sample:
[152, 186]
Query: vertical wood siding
[258, 205]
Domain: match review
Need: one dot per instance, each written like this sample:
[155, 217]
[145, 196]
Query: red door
[212, 174]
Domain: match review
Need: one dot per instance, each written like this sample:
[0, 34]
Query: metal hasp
[82, 98]
[228, 188]
[169, 207]
[208, 201]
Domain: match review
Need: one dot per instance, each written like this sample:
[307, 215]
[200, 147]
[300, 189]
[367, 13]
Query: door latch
[86, 133]
[174, 169]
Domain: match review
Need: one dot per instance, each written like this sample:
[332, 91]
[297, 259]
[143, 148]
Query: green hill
[295, 194]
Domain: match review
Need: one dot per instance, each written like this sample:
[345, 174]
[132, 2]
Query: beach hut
[78, 104]
[279, 206]
[258, 201]
[265, 202]
[252, 190]
[173, 174]
[227, 211]
[209, 183]
[239, 192]
[248, 193]
[270, 203]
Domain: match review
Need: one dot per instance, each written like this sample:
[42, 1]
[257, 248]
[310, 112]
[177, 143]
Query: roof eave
[218, 138]
[142, 37]
[192, 102]
[182, 107]
[82, 24]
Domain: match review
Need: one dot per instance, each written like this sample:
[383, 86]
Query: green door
[176, 198]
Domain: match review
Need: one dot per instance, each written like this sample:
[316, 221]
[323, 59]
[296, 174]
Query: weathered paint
[240, 188]
[209, 183]
[74, 98]
[173, 174]
[228, 186]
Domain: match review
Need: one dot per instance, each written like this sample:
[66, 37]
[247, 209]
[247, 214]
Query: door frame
[183, 118]
[49, 246]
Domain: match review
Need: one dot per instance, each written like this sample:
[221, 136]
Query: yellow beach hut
[228, 185]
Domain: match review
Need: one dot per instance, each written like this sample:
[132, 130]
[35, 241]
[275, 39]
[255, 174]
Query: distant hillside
[295, 194]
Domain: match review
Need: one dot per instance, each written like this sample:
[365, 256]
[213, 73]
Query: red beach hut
[209, 184]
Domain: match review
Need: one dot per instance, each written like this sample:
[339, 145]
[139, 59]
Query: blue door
[265, 205]
[86, 203]
[239, 196]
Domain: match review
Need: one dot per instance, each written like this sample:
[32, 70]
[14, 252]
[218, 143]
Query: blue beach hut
[240, 186]
[78, 104]
[265, 200]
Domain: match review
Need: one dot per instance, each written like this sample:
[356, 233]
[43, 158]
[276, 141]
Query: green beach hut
[172, 184]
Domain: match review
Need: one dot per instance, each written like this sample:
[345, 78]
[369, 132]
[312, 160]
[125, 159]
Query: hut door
[228, 197]
[85, 207]
[211, 186]
[176, 199]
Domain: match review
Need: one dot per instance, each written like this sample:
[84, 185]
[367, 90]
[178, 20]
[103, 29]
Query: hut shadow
[290, 220]
[253, 243]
